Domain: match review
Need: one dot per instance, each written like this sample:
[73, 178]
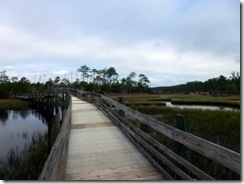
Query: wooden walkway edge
[98, 149]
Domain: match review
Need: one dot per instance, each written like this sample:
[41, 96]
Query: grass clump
[207, 102]
[27, 164]
[186, 99]
[220, 127]
[146, 103]
[13, 104]
[217, 126]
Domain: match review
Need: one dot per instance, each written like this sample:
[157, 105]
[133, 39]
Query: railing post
[181, 124]
[121, 100]
[92, 98]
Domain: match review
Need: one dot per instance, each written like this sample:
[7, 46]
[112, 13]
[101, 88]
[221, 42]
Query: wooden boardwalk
[98, 149]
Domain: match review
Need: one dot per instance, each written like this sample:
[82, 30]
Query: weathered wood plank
[94, 125]
[122, 173]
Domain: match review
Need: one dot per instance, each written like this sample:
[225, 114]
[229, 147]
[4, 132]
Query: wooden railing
[155, 149]
[51, 93]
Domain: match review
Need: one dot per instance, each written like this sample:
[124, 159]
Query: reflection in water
[27, 137]
[3, 117]
[18, 130]
[169, 104]
[46, 114]
[18, 127]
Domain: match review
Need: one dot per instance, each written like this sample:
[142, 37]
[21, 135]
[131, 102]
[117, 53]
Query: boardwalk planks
[98, 150]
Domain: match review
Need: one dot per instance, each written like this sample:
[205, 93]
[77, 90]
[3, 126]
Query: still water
[169, 104]
[17, 128]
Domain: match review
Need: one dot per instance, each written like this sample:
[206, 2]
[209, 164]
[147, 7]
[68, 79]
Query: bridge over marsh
[101, 139]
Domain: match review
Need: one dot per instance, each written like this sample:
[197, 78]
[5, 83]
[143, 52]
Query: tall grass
[207, 102]
[27, 164]
[189, 99]
[220, 127]
[13, 104]
[146, 103]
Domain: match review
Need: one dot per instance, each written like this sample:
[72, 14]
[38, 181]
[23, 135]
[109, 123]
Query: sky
[170, 41]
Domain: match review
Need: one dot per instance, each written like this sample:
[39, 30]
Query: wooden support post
[181, 124]
[121, 100]
[92, 98]
[62, 96]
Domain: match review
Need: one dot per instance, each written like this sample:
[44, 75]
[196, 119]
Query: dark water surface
[17, 128]
[208, 107]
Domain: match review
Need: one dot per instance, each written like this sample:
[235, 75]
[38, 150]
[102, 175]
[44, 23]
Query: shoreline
[13, 104]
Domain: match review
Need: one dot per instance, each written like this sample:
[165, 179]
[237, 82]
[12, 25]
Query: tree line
[218, 85]
[104, 80]
[107, 80]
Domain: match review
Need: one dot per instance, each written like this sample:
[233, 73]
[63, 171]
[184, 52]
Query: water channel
[204, 107]
[18, 129]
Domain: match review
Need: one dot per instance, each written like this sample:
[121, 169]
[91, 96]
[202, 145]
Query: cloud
[61, 72]
[170, 41]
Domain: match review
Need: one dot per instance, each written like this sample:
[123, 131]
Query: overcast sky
[170, 41]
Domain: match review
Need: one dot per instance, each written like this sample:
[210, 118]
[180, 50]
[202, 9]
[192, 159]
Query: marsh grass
[189, 99]
[27, 164]
[146, 103]
[218, 126]
[229, 103]
[13, 104]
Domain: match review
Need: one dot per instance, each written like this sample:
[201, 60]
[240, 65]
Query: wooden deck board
[98, 150]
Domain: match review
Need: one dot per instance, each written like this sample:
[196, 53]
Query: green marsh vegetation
[218, 126]
[188, 99]
[27, 164]
[13, 104]
[233, 101]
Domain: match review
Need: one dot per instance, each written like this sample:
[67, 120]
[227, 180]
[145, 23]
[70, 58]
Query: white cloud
[61, 72]
[170, 41]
